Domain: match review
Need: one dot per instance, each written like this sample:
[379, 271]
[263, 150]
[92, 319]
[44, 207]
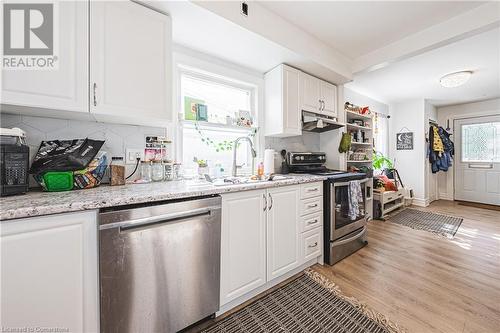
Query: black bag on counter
[65, 155]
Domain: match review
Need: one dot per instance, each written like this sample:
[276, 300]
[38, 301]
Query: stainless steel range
[344, 227]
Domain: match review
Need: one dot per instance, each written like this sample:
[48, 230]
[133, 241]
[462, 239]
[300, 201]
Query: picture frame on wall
[404, 141]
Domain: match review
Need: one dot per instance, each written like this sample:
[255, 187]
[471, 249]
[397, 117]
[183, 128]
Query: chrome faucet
[254, 153]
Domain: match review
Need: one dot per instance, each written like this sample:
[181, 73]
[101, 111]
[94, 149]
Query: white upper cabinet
[243, 243]
[283, 115]
[288, 93]
[282, 230]
[50, 272]
[317, 95]
[65, 88]
[309, 91]
[130, 72]
[328, 97]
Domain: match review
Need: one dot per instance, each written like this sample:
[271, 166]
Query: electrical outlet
[132, 154]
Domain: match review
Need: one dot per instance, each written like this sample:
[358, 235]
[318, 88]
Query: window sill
[206, 124]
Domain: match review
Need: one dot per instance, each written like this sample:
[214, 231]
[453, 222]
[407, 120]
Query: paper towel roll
[268, 161]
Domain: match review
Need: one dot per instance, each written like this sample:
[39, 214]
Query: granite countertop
[37, 203]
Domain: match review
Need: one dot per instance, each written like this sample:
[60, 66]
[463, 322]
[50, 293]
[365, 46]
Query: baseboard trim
[445, 196]
[421, 202]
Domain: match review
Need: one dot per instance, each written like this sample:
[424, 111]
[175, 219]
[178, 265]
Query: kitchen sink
[227, 181]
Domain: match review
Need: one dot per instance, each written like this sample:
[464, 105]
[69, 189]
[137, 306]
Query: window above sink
[209, 104]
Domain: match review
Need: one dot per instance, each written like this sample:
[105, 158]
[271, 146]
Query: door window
[481, 142]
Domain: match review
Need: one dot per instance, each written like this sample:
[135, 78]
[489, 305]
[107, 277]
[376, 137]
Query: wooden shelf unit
[368, 134]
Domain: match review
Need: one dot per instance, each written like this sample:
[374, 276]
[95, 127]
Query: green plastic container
[56, 181]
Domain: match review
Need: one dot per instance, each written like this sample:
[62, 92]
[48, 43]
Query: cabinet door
[49, 274]
[282, 230]
[61, 89]
[309, 92]
[243, 243]
[292, 115]
[130, 78]
[329, 98]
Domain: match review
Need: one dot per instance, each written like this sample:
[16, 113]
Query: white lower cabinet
[311, 244]
[282, 230]
[266, 238]
[49, 275]
[243, 243]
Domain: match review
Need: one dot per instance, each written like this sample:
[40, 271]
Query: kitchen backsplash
[308, 141]
[117, 138]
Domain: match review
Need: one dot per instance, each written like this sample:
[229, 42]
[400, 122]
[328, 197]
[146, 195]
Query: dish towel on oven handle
[355, 197]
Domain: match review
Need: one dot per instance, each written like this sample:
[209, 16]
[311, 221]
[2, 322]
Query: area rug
[310, 303]
[442, 225]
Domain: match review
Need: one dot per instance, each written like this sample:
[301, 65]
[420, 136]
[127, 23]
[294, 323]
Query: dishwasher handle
[152, 221]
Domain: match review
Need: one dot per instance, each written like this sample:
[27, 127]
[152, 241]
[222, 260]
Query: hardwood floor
[426, 283]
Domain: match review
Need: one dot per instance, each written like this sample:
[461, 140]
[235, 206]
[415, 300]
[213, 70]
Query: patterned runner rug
[442, 225]
[310, 303]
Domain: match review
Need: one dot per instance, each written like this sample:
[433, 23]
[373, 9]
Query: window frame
[213, 69]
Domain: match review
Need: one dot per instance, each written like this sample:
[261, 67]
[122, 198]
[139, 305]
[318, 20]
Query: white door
[49, 275]
[292, 115]
[65, 88]
[477, 162]
[130, 57]
[329, 99]
[309, 93]
[282, 230]
[243, 243]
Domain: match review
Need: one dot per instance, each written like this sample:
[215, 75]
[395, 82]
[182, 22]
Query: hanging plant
[220, 146]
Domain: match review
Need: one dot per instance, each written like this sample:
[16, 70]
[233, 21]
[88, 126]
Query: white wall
[477, 109]
[362, 100]
[409, 116]
[431, 180]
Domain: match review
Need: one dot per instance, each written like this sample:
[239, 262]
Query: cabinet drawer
[312, 244]
[311, 190]
[312, 205]
[311, 221]
[392, 196]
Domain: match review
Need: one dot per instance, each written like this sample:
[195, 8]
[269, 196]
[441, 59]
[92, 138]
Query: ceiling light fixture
[453, 80]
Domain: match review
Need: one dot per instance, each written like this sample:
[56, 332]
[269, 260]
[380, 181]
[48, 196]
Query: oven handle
[356, 236]
[347, 183]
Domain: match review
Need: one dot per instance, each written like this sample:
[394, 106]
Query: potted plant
[202, 167]
[381, 162]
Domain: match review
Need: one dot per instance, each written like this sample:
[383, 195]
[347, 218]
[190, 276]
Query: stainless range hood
[315, 122]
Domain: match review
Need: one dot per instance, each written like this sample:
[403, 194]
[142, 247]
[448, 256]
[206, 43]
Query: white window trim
[205, 66]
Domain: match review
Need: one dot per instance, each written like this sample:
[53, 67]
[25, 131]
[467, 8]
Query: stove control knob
[301, 158]
[297, 157]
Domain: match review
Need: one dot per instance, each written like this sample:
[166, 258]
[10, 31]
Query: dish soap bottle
[260, 170]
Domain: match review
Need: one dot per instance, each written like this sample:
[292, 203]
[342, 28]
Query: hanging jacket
[440, 150]
[447, 143]
[438, 143]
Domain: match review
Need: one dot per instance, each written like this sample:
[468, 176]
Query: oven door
[342, 221]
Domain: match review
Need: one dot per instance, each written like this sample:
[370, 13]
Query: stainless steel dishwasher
[159, 265]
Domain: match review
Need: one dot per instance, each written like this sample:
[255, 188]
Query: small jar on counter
[117, 171]
[169, 170]
[146, 171]
[157, 172]
[176, 171]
